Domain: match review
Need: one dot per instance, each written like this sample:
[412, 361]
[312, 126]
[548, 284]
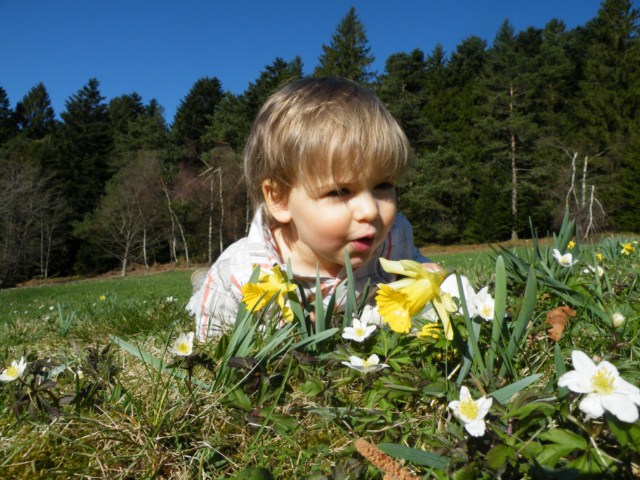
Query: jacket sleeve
[215, 303]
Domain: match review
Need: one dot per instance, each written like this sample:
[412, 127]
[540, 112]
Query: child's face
[321, 223]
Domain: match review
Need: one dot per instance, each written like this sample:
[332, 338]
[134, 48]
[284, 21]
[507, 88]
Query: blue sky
[159, 48]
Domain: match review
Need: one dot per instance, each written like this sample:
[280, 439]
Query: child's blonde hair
[318, 128]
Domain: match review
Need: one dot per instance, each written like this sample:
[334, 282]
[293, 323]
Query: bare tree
[30, 215]
[123, 218]
[581, 201]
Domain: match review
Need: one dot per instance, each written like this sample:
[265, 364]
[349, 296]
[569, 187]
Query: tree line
[506, 137]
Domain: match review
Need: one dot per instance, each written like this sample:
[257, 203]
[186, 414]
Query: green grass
[100, 400]
[30, 302]
[94, 308]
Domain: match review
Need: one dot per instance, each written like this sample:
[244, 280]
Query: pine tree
[124, 109]
[402, 89]
[348, 55]
[85, 144]
[7, 120]
[608, 105]
[231, 121]
[192, 116]
[34, 114]
[508, 118]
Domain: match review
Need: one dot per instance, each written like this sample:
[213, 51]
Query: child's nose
[366, 208]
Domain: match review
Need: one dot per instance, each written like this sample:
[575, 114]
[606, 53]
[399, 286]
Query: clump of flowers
[14, 371]
[371, 364]
[571, 245]
[565, 260]
[604, 387]
[271, 283]
[471, 412]
[399, 301]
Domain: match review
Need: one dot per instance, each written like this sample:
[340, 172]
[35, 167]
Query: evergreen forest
[507, 136]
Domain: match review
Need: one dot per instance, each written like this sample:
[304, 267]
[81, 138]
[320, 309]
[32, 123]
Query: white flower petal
[582, 362]
[621, 406]
[592, 406]
[484, 404]
[576, 381]
[464, 393]
[475, 428]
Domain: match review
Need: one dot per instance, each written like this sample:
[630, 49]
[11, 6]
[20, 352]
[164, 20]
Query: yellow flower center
[602, 382]
[183, 348]
[12, 371]
[469, 408]
[485, 311]
[360, 332]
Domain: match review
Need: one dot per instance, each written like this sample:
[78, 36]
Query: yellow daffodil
[627, 249]
[271, 283]
[571, 244]
[399, 301]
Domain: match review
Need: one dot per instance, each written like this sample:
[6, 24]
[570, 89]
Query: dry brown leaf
[558, 318]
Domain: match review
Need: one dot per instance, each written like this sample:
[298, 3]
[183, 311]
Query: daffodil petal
[444, 318]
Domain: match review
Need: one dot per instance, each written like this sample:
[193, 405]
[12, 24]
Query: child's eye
[338, 192]
[384, 186]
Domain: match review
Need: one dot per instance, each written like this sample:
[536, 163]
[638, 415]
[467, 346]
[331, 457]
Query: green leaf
[498, 317]
[628, 434]
[542, 408]
[504, 394]
[313, 339]
[312, 387]
[499, 456]
[414, 455]
[565, 438]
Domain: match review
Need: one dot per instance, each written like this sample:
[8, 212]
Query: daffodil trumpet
[401, 300]
[271, 283]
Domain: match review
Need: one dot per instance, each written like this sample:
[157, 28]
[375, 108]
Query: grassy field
[106, 392]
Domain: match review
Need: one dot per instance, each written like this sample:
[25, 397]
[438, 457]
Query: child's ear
[276, 202]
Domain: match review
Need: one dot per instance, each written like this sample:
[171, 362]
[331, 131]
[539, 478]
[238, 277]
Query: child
[321, 164]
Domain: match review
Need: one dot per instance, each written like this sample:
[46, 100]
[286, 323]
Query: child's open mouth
[362, 244]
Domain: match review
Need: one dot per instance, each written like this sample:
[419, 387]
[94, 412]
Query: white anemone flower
[471, 412]
[371, 364]
[484, 304]
[597, 269]
[15, 371]
[359, 331]
[565, 260]
[604, 387]
[617, 319]
[183, 346]
[371, 315]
